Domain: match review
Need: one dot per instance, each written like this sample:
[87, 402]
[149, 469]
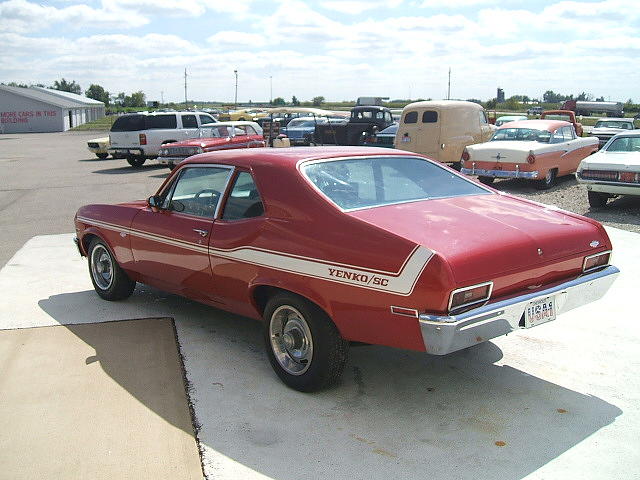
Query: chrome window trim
[584, 262]
[471, 287]
[305, 162]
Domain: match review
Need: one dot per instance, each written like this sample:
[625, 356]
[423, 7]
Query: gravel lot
[48, 176]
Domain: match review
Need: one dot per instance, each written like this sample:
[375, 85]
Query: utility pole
[186, 104]
[161, 97]
[235, 100]
[270, 89]
[449, 87]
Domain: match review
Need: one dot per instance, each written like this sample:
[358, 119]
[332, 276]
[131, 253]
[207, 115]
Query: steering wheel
[214, 193]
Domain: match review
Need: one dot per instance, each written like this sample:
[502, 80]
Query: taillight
[595, 261]
[465, 155]
[468, 296]
[143, 139]
[531, 158]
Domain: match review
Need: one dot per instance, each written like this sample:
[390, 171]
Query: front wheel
[135, 161]
[109, 280]
[486, 180]
[304, 346]
[597, 199]
[102, 156]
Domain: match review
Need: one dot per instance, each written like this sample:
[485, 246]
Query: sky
[336, 49]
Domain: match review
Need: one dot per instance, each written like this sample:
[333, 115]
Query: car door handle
[203, 233]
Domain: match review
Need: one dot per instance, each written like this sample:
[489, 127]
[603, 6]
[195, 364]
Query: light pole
[235, 102]
[270, 89]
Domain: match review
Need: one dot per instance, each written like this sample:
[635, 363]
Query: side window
[250, 130]
[558, 136]
[189, 121]
[244, 200]
[411, 117]
[483, 117]
[161, 122]
[429, 116]
[205, 119]
[569, 133]
[197, 191]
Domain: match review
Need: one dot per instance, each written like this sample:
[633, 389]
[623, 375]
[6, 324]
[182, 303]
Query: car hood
[612, 161]
[608, 131]
[487, 235]
[202, 142]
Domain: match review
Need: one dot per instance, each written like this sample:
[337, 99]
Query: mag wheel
[304, 346]
[109, 280]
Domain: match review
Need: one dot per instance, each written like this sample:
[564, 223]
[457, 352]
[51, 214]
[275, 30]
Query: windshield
[303, 123]
[216, 132]
[370, 182]
[624, 144]
[614, 124]
[521, 135]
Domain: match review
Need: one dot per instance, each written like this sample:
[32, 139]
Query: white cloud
[455, 3]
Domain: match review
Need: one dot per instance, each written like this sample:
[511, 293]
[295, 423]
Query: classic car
[509, 118]
[221, 136]
[441, 129]
[332, 245]
[534, 111]
[363, 122]
[605, 128]
[247, 114]
[613, 171]
[99, 147]
[300, 131]
[384, 138]
[533, 149]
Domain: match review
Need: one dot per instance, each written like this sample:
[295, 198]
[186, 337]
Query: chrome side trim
[444, 334]
[499, 173]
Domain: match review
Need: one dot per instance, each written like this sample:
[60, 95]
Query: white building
[36, 109]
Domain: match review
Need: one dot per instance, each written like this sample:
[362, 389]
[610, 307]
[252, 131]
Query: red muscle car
[332, 245]
[219, 136]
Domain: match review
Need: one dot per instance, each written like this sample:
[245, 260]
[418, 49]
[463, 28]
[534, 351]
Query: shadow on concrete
[396, 413]
[521, 185]
[127, 169]
[96, 159]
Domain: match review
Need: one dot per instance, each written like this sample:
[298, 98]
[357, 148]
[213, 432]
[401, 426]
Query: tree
[584, 97]
[294, 101]
[65, 86]
[15, 84]
[491, 104]
[279, 101]
[317, 101]
[137, 99]
[97, 93]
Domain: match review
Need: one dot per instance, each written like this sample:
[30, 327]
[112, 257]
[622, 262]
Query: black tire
[457, 166]
[296, 329]
[597, 199]
[486, 180]
[109, 280]
[102, 156]
[135, 161]
[548, 181]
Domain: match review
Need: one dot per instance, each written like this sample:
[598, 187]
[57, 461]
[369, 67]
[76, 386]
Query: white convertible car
[614, 170]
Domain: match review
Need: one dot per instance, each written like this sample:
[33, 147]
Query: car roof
[617, 119]
[550, 125]
[289, 157]
[628, 133]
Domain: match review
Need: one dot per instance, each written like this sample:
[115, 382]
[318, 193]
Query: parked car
[534, 111]
[605, 128]
[441, 129]
[567, 116]
[221, 136]
[363, 121]
[245, 114]
[300, 131]
[99, 146]
[384, 139]
[509, 118]
[138, 136]
[613, 171]
[331, 245]
[534, 149]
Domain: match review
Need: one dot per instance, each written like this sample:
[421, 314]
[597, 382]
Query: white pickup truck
[139, 136]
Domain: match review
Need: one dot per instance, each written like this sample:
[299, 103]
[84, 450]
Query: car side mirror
[154, 201]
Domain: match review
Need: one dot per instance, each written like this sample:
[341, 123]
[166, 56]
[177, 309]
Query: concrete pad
[558, 400]
[100, 401]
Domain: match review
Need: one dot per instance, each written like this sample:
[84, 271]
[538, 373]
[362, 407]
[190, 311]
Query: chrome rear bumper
[499, 173]
[446, 334]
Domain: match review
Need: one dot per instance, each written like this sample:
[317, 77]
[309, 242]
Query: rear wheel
[548, 181]
[486, 180]
[136, 161]
[457, 166]
[597, 199]
[102, 156]
[304, 346]
[109, 280]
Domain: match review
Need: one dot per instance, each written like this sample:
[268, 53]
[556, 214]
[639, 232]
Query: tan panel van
[441, 129]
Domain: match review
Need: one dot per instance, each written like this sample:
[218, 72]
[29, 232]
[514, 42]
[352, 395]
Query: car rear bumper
[446, 334]
[124, 151]
[499, 173]
[170, 160]
[615, 188]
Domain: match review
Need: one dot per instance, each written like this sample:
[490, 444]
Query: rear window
[429, 116]
[376, 181]
[129, 123]
[189, 121]
[161, 121]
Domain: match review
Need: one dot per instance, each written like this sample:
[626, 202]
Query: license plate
[540, 311]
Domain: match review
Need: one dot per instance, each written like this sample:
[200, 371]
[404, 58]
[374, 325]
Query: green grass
[102, 124]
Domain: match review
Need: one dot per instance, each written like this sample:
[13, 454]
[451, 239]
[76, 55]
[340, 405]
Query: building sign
[25, 116]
